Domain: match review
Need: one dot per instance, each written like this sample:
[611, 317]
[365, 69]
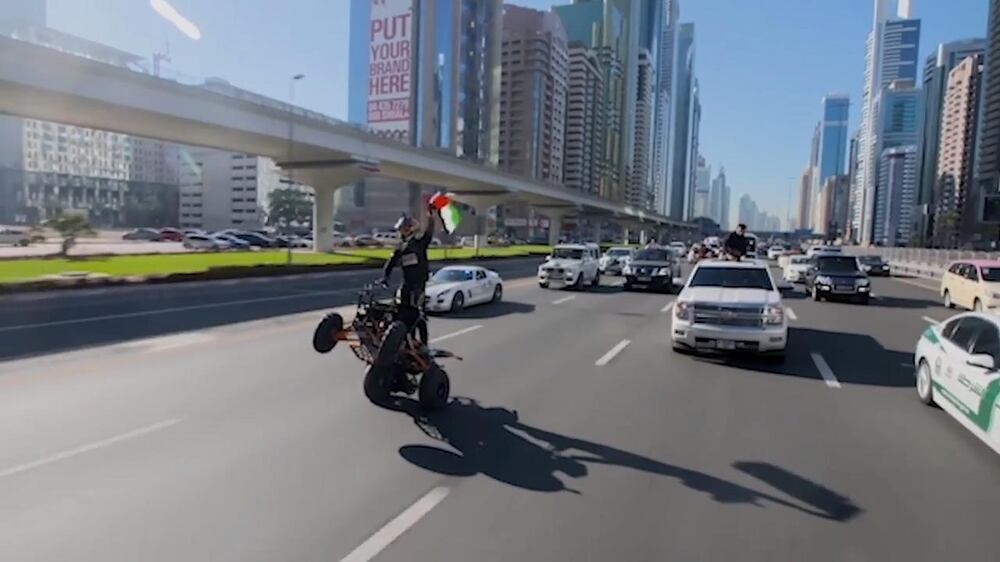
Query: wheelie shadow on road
[853, 358]
[495, 310]
[496, 443]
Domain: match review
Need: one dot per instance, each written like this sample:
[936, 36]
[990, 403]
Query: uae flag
[450, 215]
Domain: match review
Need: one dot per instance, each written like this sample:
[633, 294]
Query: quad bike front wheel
[325, 336]
[435, 388]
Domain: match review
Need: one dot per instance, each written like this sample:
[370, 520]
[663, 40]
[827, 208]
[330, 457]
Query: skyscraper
[895, 196]
[805, 199]
[585, 153]
[680, 137]
[702, 189]
[748, 211]
[935, 81]
[693, 146]
[600, 25]
[533, 94]
[639, 192]
[954, 206]
[726, 199]
[893, 44]
[987, 165]
[832, 149]
[667, 47]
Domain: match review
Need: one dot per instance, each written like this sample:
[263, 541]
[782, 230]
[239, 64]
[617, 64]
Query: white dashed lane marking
[791, 314]
[607, 357]
[564, 299]
[400, 524]
[825, 371]
[456, 333]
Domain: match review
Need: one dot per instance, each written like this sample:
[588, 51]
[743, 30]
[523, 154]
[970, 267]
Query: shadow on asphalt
[496, 443]
[854, 359]
[494, 310]
[898, 302]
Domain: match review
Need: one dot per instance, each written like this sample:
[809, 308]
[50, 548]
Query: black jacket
[412, 257]
[737, 244]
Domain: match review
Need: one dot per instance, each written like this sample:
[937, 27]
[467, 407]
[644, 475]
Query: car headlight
[663, 271]
[864, 282]
[866, 267]
[824, 280]
[627, 270]
[774, 315]
[682, 310]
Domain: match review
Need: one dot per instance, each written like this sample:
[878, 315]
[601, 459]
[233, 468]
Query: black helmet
[405, 226]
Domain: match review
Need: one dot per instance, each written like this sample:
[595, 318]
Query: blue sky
[763, 65]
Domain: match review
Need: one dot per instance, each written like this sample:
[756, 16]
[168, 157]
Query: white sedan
[455, 287]
[956, 364]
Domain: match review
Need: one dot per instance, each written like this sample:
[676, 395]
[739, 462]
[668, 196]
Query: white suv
[730, 306]
[571, 265]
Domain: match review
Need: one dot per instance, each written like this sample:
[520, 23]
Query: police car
[956, 364]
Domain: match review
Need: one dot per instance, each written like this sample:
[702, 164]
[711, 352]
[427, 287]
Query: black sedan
[874, 266]
[837, 277]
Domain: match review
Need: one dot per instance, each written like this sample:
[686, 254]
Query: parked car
[170, 235]
[234, 242]
[189, 231]
[614, 260]
[203, 242]
[387, 238]
[455, 287]
[366, 241]
[571, 265]
[653, 268]
[874, 266]
[973, 284]
[730, 307]
[148, 234]
[299, 242]
[956, 366]
[15, 237]
[255, 239]
[837, 277]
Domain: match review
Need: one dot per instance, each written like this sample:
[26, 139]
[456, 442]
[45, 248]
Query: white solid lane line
[457, 333]
[169, 310]
[564, 299]
[607, 357]
[400, 524]
[791, 314]
[930, 320]
[87, 448]
[667, 307]
[825, 371]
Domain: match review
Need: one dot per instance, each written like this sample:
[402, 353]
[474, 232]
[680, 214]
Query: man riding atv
[411, 255]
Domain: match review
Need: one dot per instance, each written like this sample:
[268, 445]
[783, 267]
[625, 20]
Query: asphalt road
[222, 439]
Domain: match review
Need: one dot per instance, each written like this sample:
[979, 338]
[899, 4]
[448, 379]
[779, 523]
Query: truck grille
[723, 315]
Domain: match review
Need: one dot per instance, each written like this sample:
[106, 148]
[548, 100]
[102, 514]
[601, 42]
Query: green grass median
[19, 270]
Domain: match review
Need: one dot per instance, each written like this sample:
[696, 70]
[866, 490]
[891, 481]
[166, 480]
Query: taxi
[956, 364]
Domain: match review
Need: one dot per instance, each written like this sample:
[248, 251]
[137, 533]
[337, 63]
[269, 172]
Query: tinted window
[991, 274]
[653, 255]
[619, 252]
[955, 268]
[964, 331]
[972, 273]
[871, 260]
[987, 341]
[799, 260]
[837, 264]
[480, 275]
[451, 275]
[731, 277]
[567, 254]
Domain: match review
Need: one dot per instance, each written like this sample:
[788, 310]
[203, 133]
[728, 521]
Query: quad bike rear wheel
[378, 379]
[325, 336]
[435, 388]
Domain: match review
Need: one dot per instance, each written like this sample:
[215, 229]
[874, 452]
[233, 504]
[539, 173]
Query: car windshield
[799, 260]
[991, 274]
[871, 260]
[619, 252]
[452, 275]
[837, 264]
[653, 255]
[567, 253]
[732, 278]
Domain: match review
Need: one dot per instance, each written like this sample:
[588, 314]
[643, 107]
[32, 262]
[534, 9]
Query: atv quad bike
[398, 360]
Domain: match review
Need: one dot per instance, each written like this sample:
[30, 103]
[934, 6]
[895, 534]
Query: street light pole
[291, 148]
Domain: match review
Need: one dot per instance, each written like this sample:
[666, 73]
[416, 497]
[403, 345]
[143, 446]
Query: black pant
[410, 299]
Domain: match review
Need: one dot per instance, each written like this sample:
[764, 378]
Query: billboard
[390, 60]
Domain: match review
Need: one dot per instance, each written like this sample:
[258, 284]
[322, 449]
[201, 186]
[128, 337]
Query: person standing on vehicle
[737, 244]
[411, 256]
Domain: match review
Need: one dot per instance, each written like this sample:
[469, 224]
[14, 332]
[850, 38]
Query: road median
[108, 271]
